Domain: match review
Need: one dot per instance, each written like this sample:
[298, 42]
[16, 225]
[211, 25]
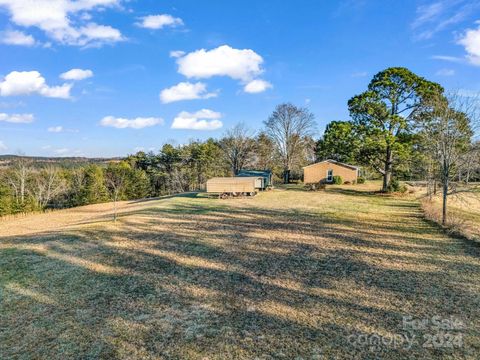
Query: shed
[324, 171]
[231, 185]
[266, 175]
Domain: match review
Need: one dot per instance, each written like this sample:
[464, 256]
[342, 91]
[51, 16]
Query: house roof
[353, 167]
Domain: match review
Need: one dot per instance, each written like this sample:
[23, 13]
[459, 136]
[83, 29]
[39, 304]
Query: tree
[264, 155]
[339, 142]
[470, 164]
[383, 114]
[17, 177]
[6, 198]
[116, 179]
[237, 145]
[93, 188]
[445, 124]
[289, 128]
[46, 185]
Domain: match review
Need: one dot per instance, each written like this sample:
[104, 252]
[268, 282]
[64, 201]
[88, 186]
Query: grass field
[463, 214]
[287, 274]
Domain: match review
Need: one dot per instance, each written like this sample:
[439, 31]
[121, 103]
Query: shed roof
[264, 173]
[335, 162]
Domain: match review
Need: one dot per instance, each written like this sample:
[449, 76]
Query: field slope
[286, 274]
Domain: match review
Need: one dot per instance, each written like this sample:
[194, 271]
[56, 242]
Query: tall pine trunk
[388, 170]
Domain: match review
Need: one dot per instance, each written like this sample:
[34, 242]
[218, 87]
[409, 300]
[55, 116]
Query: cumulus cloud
[185, 91]
[136, 123]
[204, 119]
[31, 82]
[159, 21]
[3, 146]
[224, 60]
[17, 118]
[14, 37]
[257, 86]
[55, 129]
[77, 74]
[64, 20]
[471, 42]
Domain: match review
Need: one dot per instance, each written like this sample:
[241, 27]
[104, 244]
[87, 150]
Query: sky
[102, 78]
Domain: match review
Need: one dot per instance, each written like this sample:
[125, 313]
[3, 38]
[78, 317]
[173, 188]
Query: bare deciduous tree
[17, 178]
[46, 184]
[446, 126]
[116, 177]
[238, 146]
[289, 127]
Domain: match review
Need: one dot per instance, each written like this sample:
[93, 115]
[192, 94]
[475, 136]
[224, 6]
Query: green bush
[395, 186]
[337, 180]
[361, 180]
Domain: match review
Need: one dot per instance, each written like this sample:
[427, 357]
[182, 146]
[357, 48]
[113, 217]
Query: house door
[330, 175]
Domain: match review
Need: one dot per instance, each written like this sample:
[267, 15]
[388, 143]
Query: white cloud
[3, 146]
[257, 86]
[439, 15]
[453, 59]
[76, 74]
[31, 82]
[177, 53]
[64, 20]
[224, 60]
[17, 118]
[471, 42]
[445, 72]
[137, 123]
[95, 35]
[14, 37]
[201, 120]
[55, 129]
[159, 21]
[185, 91]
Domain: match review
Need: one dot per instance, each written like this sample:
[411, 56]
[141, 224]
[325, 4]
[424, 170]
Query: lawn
[287, 274]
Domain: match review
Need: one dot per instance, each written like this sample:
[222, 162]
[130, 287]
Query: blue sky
[148, 72]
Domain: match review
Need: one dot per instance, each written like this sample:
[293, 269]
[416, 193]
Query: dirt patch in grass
[287, 274]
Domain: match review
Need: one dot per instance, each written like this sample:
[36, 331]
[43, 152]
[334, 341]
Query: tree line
[402, 127]
[284, 146]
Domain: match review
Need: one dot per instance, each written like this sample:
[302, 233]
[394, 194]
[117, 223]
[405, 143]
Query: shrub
[395, 186]
[315, 186]
[337, 180]
[360, 180]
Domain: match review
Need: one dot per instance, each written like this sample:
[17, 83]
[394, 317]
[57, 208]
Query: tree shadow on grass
[192, 281]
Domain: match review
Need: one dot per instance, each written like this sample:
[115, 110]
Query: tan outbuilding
[234, 185]
[324, 172]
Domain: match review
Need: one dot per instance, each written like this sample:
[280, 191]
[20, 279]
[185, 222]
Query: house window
[330, 175]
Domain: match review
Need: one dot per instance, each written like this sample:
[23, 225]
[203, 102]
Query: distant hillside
[6, 160]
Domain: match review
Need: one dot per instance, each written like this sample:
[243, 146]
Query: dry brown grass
[287, 274]
[463, 215]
